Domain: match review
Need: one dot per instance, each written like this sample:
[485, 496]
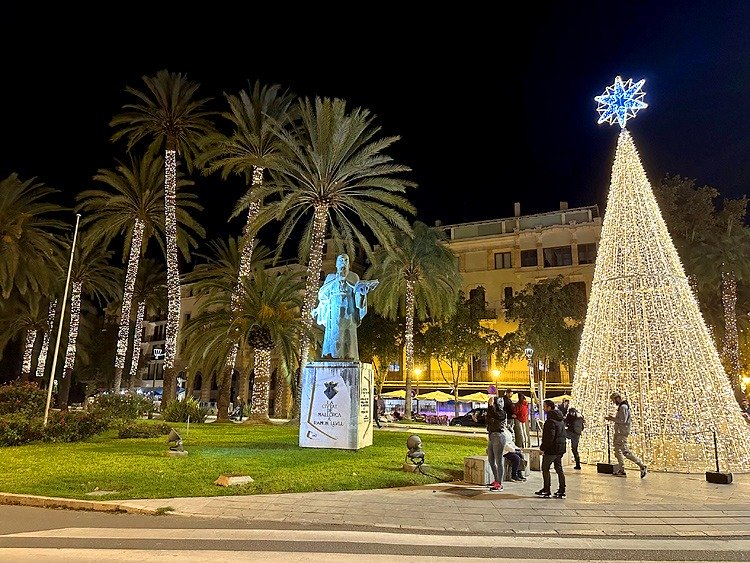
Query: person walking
[574, 425]
[521, 423]
[621, 422]
[495, 421]
[553, 447]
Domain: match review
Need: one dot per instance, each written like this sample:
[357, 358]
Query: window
[558, 256]
[507, 294]
[502, 260]
[529, 258]
[587, 253]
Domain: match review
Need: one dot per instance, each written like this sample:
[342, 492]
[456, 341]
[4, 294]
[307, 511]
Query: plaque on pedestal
[336, 405]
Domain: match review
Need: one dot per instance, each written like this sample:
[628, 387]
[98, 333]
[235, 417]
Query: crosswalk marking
[390, 538]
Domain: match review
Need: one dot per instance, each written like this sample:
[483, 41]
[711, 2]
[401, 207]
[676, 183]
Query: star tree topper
[621, 101]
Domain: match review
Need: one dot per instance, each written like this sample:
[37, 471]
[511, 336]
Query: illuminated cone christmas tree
[644, 335]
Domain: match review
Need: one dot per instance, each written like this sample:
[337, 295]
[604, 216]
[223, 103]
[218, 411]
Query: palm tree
[220, 274]
[722, 262]
[133, 206]
[28, 236]
[150, 294]
[333, 175]
[24, 316]
[167, 116]
[419, 278]
[252, 147]
[92, 275]
[266, 317]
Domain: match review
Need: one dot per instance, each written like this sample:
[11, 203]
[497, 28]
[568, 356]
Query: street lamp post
[529, 351]
[417, 373]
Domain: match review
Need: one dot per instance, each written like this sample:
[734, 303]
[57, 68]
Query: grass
[140, 468]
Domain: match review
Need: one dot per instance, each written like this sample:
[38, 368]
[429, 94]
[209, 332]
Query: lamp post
[529, 351]
[417, 373]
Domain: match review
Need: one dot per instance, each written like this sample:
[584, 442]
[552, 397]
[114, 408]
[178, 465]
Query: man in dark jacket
[507, 406]
[553, 448]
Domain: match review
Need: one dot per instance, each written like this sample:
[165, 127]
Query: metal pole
[60, 324]
[716, 452]
[609, 449]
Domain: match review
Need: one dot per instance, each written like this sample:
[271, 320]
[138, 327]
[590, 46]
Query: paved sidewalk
[673, 505]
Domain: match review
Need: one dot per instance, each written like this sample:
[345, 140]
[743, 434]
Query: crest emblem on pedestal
[331, 390]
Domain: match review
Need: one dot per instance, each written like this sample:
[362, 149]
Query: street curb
[72, 504]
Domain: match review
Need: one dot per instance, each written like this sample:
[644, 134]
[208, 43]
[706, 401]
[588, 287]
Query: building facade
[499, 258]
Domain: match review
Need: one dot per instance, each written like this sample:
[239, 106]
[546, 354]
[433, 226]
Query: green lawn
[141, 468]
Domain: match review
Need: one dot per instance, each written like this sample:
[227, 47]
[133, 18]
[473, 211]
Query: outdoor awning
[559, 398]
[397, 394]
[477, 397]
[438, 396]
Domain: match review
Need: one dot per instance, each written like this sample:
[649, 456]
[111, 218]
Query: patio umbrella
[438, 396]
[477, 397]
[559, 398]
[397, 394]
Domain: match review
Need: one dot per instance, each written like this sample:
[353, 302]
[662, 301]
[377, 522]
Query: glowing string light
[173, 272]
[409, 341]
[137, 340]
[28, 351]
[123, 332]
[246, 256]
[75, 317]
[644, 337]
[730, 346]
[44, 351]
[621, 101]
[261, 384]
[312, 284]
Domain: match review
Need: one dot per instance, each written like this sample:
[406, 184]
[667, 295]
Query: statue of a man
[342, 303]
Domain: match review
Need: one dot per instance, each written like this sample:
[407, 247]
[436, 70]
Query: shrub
[73, 426]
[17, 428]
[179, 411]
[144, 430]
[22, 397]
[114, 408]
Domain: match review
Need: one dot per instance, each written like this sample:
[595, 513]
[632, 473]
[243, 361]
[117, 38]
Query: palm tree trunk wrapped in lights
[28, 354]
[123, 332]
[730, 346]
[135, 360]
[44, 351]
[644, 337]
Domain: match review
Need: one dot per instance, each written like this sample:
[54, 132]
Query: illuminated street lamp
[417, 373]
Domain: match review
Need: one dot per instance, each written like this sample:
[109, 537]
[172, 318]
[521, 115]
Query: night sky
[492, 107]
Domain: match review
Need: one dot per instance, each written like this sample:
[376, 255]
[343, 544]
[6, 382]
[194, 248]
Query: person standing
[574, 424]
[553, 447]
[508, 407]
[621, 422]
[563, 407]
[378, 409]
[521, 424]
[495, 420]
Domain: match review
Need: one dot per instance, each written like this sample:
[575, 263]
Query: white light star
[621, 101]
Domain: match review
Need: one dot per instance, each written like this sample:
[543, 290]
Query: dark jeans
[574, 438]
[547, 461]
[515, 461]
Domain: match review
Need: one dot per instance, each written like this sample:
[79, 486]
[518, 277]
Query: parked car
[475, 417]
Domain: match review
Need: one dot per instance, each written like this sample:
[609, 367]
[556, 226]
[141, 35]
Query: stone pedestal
[477, 470]
[336, 405]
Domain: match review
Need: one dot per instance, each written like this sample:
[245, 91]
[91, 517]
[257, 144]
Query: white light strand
[75, 317]
[137, 340]
[173, 272]
[261, 383]
[44, 352]
[312, 283]
[409, 344]
[123, 332]
[28, 351]
[246, 255]
[644, 337]
[730, 346]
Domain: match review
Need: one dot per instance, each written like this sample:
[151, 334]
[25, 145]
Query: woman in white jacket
[514, 454]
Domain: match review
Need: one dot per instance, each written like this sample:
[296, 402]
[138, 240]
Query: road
[36, 535]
